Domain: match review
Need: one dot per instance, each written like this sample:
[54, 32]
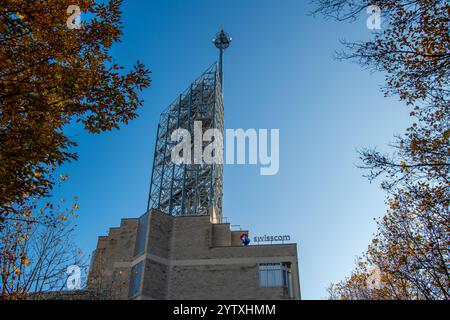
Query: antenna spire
[222, 41]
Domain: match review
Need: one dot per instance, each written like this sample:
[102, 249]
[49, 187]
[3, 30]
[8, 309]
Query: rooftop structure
[180, 248]
[191, 189]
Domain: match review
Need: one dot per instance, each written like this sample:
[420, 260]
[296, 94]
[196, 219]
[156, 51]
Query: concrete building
[159, 256]
[180, 248]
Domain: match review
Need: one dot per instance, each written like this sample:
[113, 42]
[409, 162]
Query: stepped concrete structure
[190, 257]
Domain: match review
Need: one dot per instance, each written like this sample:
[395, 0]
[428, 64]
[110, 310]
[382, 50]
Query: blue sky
[279, 73]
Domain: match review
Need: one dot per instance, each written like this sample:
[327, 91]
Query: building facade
[180, 248]
[159, 256]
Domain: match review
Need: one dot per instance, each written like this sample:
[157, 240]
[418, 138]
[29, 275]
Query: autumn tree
[53, 74]
[36, 251]
[412, 49]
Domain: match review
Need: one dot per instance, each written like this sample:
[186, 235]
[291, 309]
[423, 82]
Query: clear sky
[279, 73]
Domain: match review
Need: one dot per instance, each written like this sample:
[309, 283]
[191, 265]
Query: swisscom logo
[245, 239]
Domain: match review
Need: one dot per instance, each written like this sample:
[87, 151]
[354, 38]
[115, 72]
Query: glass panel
[271, 279]
[141, 235]
[135, 279]
[285, 278]
[278, 278]
[273, 275]
[263, 278]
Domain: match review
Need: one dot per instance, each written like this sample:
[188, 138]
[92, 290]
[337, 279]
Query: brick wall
[187, 258]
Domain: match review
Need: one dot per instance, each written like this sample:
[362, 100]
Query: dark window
[141, 235]
[275, 275]
[135, 279]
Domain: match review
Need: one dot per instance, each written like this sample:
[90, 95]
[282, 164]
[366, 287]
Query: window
[141, 235]
[275, 275]
[135, 279]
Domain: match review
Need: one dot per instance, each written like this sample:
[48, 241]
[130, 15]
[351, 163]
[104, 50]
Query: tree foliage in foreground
[36, 250]
[411, 247]
[50, 76]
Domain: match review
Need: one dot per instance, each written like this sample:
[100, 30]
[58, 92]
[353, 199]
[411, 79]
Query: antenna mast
[222, 41]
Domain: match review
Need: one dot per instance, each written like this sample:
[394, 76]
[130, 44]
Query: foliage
[51, 76]
[36, 250]
[411, 247]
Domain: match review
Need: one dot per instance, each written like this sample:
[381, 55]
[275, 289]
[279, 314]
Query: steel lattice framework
[189, 189]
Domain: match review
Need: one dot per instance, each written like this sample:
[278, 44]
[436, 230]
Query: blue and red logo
[245, 239]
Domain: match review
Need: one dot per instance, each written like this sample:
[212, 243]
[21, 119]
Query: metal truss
[189, 189]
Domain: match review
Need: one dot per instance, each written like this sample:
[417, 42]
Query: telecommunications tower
[191, 189]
